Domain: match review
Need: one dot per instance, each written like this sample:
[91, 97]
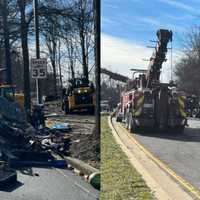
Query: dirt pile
[86, 148]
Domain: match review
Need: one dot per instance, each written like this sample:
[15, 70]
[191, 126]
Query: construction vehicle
[148, 103]
[192, 105]
[105, 107]
[80, 95]
[9, 92]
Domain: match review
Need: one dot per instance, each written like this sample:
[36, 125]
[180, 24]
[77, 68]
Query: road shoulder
[160, 182]
[119, 180]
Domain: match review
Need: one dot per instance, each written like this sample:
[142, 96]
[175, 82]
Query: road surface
[181, 152]
[49, 184]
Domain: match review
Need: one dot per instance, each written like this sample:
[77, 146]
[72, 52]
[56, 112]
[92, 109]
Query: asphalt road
[49, 184]
[181, 152]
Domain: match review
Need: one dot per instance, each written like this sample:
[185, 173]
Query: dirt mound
[86, 148]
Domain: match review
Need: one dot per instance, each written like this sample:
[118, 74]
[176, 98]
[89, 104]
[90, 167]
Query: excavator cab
[80, 95]
[8, 92]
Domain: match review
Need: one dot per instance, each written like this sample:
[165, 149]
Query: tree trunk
[25, 53]
[84, 57]
[53, 62]
[82, 40]
[54, 77]
[6, 41]
[97, 52]
[59, 65]
[72, 60]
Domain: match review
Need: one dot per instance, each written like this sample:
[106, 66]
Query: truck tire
[130, 123]
[118, 119]
[126, 120]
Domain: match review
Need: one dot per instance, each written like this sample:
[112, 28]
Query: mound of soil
[86, 148]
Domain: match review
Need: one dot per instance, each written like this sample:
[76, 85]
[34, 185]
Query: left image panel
[49, 144]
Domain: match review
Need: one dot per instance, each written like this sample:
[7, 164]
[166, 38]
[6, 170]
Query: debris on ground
[83, 143]
[23, 145]
[86, 149]
[56, 125]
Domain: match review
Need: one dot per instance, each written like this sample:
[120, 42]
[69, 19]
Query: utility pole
[37, 46]
[4, 11]
[97, 36]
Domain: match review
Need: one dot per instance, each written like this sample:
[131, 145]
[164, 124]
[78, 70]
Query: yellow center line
[164, 166]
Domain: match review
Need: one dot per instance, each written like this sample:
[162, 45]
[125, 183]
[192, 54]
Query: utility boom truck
[148, 103]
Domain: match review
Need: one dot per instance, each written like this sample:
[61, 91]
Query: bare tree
[6, 38]
[25, 51]
[188, 68]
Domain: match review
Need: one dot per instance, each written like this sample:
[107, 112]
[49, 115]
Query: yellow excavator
[8, 92]
[80, 95]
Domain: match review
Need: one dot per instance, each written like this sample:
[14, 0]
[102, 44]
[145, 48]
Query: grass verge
[119, 180]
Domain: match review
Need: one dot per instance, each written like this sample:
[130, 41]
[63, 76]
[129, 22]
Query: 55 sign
[39, 68]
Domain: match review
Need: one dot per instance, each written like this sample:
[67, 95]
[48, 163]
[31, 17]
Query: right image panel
[150, 106]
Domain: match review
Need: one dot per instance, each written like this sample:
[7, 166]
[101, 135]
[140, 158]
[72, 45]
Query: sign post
[38, 71]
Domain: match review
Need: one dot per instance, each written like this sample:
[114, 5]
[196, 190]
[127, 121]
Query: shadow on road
[188, 135]
[11, 188]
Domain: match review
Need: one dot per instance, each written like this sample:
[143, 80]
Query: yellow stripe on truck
[139, 104]
[140, 101]
[183, 113]
[138, 112]
[181, 101]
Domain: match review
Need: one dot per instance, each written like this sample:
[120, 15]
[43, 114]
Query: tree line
[66, 39]
[187, 69]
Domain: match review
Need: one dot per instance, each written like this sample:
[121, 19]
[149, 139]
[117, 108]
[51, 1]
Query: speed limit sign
[39, 68]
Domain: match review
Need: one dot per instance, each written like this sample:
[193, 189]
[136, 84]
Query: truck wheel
[118, 119]
[131, 123]
[126, 121]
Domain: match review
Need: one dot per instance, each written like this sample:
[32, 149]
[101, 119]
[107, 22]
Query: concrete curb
[158, 180]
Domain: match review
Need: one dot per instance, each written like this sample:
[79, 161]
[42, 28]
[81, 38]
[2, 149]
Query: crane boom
[114, 76]
[158, 57]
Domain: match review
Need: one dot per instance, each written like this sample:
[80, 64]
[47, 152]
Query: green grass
[119, 180]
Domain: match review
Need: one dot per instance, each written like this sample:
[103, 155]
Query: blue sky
[134, 23]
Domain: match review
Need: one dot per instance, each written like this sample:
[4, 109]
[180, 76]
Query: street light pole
[97, 35]
[37, 46]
